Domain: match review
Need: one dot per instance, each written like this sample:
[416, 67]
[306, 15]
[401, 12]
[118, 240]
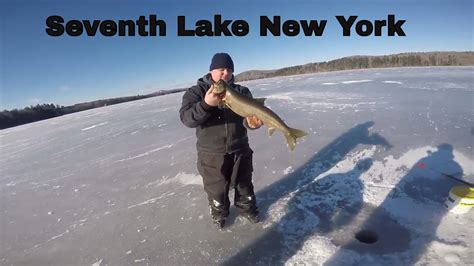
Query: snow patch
[288, 170]
[94, 126]
[153, 200]
[314, 251]
[185, 179]
[356, 81]
[450, 253]
[145, 154]
[98, 263]
[180, 178]
[283, 96]
[392, 82]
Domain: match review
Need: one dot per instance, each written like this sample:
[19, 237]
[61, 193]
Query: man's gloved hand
[253, 122]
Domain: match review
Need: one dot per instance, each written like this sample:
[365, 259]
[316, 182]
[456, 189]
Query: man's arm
[194, 110]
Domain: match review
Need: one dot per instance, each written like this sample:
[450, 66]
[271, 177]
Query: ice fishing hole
[367, 237]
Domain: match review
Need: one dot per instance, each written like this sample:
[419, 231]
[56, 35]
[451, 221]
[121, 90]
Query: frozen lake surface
[118, 185]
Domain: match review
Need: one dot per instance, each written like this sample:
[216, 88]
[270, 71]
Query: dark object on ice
[458, 179]
[448, 150]
[367, 237]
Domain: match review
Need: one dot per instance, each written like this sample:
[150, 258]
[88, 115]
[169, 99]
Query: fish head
[220, 86]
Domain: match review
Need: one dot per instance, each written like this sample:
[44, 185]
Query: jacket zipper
[226, 150]
[226, 134]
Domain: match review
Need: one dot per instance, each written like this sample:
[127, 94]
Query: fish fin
[292, 136]
[271, 130]
[260, 100]
[298, 133]
[291, 141]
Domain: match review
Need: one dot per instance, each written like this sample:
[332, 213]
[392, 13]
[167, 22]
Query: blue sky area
[37, 68]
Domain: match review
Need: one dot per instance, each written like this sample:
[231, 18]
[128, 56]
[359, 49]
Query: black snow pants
[221, 172]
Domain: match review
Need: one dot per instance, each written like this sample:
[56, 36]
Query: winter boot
[247, 206]
[251, 216]
[218, 214]
[219, 222]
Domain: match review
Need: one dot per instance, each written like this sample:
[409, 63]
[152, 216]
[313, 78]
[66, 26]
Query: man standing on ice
[223, 151]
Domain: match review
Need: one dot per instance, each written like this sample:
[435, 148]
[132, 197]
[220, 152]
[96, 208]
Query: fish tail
[292, 135]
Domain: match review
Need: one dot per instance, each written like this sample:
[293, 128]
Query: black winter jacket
[218, 130]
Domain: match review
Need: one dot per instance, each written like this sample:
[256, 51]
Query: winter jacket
[218, 130]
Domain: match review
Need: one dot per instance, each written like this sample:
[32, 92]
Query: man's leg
[216, 184]
[244, 199]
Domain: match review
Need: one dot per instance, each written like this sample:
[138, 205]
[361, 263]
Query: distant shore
[15, 117]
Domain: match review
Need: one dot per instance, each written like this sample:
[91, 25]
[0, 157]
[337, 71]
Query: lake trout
[245, 107]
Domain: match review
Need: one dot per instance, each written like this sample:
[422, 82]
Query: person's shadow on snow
[420, 194]
[285, 237]
[321, 207]
[321, 162]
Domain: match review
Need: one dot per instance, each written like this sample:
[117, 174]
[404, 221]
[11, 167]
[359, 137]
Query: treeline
[39, 112]
[360, 62]
[28, 114]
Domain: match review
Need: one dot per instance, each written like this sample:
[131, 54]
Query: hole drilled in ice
[367, 237]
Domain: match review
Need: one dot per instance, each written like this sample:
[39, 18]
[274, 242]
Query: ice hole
[367, 237]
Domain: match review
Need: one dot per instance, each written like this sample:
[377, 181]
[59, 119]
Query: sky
[36, 68]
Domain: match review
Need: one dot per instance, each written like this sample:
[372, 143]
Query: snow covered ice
[118, 185]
